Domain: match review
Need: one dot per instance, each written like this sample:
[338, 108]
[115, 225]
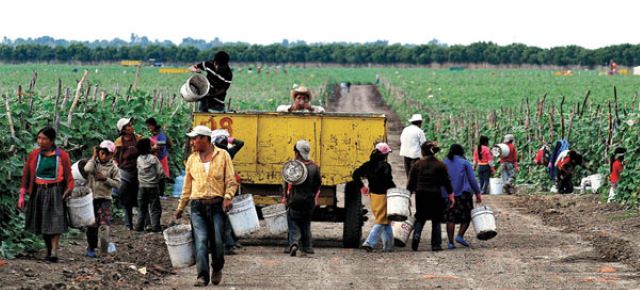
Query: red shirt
[484, 157]
[616, 169]
[562, 163]
[512, 157]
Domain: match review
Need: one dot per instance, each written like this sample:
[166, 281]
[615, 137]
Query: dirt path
[557, 242]
[525, 254]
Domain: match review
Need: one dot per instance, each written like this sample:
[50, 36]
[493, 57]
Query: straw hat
[300, 90]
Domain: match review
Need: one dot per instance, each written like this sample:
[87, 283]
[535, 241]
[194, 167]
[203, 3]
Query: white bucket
[495, 186]
[276, 218]
[81, 210]
[398, 204]
[196, 87]
[402, 231]
[592, 182]
[179, 242]
[500, 150]
[243, 215]
[484, 223]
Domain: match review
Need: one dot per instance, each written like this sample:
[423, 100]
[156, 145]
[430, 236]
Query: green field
[458, 106]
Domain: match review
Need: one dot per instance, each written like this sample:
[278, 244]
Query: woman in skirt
[464, 185]
[47, 179]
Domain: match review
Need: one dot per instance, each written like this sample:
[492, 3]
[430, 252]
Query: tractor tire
[352, 230]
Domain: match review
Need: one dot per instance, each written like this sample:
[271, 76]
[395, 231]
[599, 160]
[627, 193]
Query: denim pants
[149, 205]
[208, 224]
[299, 223]
[387, 236]
[229, 237]
[484, 174]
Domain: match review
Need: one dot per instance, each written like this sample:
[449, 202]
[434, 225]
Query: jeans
[508, 177]
[207, 223]
[229, 237]
[387, 236]
[484, 174]
[436, 235]
[149, 204]
[299, 229]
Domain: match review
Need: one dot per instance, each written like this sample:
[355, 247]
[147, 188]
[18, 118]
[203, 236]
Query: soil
[543, 241]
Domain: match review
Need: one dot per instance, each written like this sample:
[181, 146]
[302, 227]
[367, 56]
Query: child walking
[102, 177]
[150, 173]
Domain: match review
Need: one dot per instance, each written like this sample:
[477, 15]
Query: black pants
[149, 202]
[299, 223]
[436, 235]
[210, 104]
[564, 182]
[408, 163]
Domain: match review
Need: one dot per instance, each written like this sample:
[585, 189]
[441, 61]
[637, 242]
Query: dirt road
[552, 242]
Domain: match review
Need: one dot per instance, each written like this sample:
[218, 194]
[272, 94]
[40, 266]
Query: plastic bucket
[243, 215]
[81, 210]
[500, 150]
[402, 231]
[77, 173]
[484, 222]
[398, 204]
[276, 218]
[196, 87]
[495, 186]
[179, 242]
[596, 181]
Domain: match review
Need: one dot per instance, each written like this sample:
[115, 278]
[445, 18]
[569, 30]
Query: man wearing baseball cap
[410, 140]
[209, 185]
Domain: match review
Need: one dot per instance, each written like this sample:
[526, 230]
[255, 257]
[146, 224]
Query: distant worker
[410, 140]
[566, 169]
[613, 67]
[616, 167]
[301, 102]
[509, 165]
[219, 76]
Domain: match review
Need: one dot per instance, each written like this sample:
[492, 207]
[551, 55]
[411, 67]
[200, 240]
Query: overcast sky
[543, 23]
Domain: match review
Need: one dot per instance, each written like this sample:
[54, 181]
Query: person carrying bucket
[219, 76]
[222, 140]
[301, 200]
[378, 172]
[209, 185]
[426, 179]
[102, 176]
[410, 140]
[509, 165]
[464, 185]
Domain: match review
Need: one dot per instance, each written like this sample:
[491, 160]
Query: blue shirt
[461, 175]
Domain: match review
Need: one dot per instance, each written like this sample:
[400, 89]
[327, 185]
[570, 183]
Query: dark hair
[144, 146]
[429, 148]
[221, 57]
[455, 149]
[575, 157]
[484, 140]
[49, 133]
[152, 121]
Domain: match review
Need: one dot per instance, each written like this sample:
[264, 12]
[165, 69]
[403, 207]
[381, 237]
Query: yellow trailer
[340, 143]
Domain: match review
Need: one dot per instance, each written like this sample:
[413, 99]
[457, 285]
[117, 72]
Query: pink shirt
[485, 155]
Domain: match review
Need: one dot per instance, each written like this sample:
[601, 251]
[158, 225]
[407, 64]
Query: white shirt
[410, 140]
[285, 109]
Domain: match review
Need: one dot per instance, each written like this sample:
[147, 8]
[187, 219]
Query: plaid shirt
[219, 182]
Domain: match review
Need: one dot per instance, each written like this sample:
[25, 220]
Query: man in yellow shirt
[209, 185]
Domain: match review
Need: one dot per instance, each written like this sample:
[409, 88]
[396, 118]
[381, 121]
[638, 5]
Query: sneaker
[367, 248]
[111, 248]
[91, 253]
[460, 240]
[451, 246]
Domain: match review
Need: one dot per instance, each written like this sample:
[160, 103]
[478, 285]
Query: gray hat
[303, 147]
[508, 138]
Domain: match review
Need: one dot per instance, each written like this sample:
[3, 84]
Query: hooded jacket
[149, 170]
[102, 189]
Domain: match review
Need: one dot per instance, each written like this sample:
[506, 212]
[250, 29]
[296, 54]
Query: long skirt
[461, 211]
[46, 214]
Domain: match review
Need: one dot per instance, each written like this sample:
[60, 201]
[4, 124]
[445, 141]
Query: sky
[542, 23]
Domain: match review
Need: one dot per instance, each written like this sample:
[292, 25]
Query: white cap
[304, 148]
[199, 131]
[219, 133]
[122, 122]
[415, 118]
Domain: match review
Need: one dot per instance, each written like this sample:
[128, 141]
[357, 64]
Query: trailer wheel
[352, 230]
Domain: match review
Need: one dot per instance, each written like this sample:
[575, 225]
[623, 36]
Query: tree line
[336, 53]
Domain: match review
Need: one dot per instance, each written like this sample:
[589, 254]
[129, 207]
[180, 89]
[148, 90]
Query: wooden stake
[56, 109]
[562, 117]
[76, 98]
[136, 80]
[12, 128]
[584, 102]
